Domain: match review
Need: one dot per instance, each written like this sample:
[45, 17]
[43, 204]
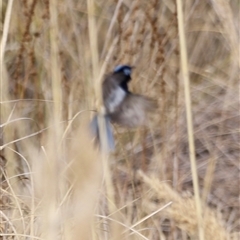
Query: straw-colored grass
[177, 178]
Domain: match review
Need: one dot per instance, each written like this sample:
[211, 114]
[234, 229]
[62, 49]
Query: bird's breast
[114, 99]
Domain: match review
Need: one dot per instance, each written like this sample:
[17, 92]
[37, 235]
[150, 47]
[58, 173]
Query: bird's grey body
[132, 111]
[122, 106]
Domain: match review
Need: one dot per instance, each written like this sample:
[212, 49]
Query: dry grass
[55, 185]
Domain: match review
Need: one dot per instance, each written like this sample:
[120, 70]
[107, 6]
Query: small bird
[122, 106]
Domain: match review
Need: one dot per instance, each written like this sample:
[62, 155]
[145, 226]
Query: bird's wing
[133, 110]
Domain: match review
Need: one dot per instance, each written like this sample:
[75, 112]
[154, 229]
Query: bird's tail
[95, 130]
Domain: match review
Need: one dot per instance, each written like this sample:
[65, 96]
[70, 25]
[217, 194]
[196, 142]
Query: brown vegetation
[55, 184]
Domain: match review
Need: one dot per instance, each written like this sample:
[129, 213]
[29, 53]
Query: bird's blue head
[125, 69]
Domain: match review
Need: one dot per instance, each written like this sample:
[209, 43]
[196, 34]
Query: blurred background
[55, 184]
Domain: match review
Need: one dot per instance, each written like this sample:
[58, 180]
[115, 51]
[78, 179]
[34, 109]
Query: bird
[122, 107]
